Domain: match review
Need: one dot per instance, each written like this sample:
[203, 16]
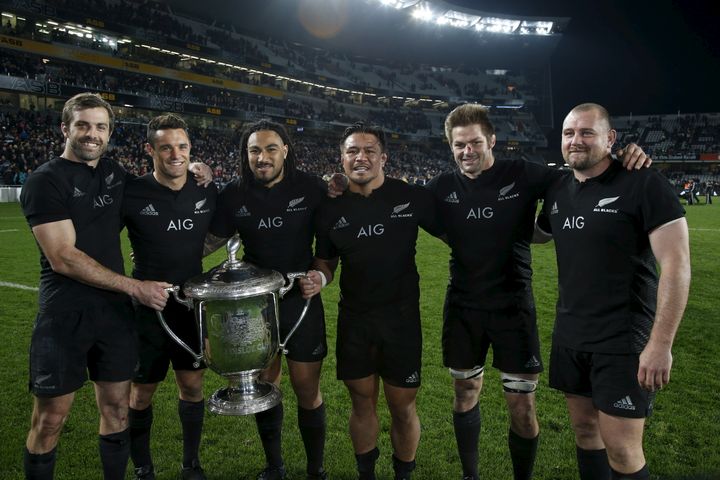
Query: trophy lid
[233, 279]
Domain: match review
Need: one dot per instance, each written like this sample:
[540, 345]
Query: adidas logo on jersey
[243, 212]
[503, 194]
[149, 210]
[625, 403]
[342, 223]
[452, 198]
[292, 205]
[600, 207]
[78, 193]
[399, 208]
[554, 209]
[532, 363]
[198, 207]
[414, 378]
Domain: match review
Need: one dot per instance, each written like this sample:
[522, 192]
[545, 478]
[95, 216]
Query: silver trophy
[236, 310]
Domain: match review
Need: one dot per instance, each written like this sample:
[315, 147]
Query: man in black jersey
[487, 211]
[373, 228]
[616, 320]
[272, 206]
[167, 216]
[83, 326]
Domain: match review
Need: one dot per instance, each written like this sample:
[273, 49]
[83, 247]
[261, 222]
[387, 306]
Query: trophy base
[236, 400]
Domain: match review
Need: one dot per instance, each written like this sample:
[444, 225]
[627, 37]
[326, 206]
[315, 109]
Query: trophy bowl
[237, 317]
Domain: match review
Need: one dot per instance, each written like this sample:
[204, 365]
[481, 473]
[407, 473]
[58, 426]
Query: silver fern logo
[603, 203]
[504, 193]
[400, 208]
[606, 201]
[199, 205]
[295, 202]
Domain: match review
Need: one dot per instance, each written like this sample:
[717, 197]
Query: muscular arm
[669, 243]
[212, 243]
[57, 241]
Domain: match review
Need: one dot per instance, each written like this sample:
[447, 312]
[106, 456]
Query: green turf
[682, 439]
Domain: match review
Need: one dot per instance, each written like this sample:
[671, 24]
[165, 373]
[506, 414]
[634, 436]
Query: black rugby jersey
[167, 228]
[375, 239]
[275, 224]
[91, 197]
[606, 269]
[489, 223]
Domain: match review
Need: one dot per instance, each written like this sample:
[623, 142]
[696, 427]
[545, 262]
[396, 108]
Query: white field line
[18, 286]
[705, 229]
[10, 230]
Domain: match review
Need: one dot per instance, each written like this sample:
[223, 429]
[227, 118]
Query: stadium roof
[387, 29]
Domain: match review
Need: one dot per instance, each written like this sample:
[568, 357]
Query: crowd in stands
[668, 135]
[31, 138]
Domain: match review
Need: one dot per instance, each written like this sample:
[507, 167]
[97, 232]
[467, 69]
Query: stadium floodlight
[7, 15]
[423, 12]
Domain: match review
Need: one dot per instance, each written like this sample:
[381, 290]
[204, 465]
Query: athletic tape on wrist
[323, 279]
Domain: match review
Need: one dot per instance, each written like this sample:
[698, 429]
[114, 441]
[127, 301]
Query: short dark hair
[84, 101]
[469, 114]
[246, 174]
[166, 121]
[360, 127]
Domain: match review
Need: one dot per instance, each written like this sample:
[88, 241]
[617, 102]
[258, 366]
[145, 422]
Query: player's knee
[628, 456]
[49, 424]
[586, 432]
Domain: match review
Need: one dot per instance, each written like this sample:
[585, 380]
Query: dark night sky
[631, 56]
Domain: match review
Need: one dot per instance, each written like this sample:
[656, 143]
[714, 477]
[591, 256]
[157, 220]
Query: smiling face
[266, 156]
[472, 149]
[363, 160]
[86, 135]
[171, 155]
[587, 140]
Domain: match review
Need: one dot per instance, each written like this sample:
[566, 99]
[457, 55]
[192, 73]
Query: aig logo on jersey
[270, 222]
[400, 208]
[292, 205]
[600, 207]
[199, 207]
[371, 230]
[504, 193]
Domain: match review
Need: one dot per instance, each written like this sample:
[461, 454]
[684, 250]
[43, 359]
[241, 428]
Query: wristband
[323, 279]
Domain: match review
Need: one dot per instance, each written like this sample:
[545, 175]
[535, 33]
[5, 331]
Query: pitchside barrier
[10, 194]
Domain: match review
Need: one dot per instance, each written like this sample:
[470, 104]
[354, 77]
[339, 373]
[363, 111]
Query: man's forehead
[265, 137]
[172, 135]
[96, 115]
[364, 140]
[465, 131]
[585, 119]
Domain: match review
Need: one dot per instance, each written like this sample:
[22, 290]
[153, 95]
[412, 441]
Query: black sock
[269, 425]
[312, 425]
[114, 454]
[467, 434]
[593, 464]
[522, 453]
[191, 415]
[366, 464]
[39, 466]
[403, 470]
[642, 474]
[140, 426]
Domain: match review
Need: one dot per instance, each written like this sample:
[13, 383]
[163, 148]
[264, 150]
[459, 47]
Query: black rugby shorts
[609, 379]
[468, 334]
[385, 341]
[308, 343]
[66, 348]
[157, 349]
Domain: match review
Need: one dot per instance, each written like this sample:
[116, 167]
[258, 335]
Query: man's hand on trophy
[151, 294]
[312, 283]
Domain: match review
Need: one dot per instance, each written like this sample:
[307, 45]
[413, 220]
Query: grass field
[682, 437]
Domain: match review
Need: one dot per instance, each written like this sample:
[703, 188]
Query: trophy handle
[174, 291]
[283, 290]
